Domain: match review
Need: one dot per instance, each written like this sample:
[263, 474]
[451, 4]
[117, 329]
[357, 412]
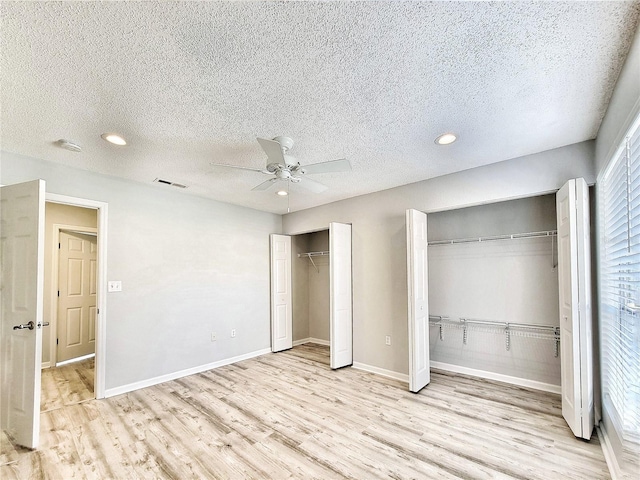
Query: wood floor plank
[288, 415]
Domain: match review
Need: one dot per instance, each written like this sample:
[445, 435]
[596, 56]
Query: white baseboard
[45, 365]
[311, 340]
[609, 454]
[381, 371]
[111, 392]
[523, 382]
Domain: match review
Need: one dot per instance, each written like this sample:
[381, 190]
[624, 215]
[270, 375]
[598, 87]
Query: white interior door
[22, 250]
[418, 310]
[340, 292]
[574, 279]
[77, 275]
[281, 298]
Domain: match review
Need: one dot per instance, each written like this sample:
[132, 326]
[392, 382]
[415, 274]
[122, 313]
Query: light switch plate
[114, 286]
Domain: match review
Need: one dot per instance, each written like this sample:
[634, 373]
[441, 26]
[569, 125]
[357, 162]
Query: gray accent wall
[300, 286]
[319, 302]
[189, 267]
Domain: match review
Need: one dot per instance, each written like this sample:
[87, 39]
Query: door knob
[29, 325]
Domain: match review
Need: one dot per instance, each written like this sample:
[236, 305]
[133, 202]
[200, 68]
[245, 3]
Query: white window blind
[620, 286]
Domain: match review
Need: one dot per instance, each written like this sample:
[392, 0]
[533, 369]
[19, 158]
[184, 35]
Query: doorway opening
[70, 304]
[75, 299]
[310, 278]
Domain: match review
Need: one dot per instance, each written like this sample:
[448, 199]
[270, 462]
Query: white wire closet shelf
[512, 236]
[310, 256]
[508, 329]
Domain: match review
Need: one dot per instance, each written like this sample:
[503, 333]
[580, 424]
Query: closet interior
[310, 287]
[493, 290]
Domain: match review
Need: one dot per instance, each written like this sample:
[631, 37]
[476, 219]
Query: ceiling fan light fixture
[282, 193]
[446, 139]
[114, 138]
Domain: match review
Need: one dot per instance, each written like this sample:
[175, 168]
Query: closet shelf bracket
[310, 256]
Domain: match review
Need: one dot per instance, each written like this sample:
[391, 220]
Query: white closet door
[574, 279]
[22, 254]
[341, 321]
[417, 281]
[281, 298]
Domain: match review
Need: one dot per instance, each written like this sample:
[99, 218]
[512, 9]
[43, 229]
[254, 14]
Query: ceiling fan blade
[341, 165]
[265, 185]
[273, 150]
[312, 185]
[238, 167]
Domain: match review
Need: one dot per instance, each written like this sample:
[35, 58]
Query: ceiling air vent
[167, 182]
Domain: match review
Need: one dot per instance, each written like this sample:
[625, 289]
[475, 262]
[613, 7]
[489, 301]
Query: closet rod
[513, 236]
[313, 254]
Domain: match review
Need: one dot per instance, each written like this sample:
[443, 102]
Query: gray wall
[300, 286]
[319, 303]
[623, 108]
[508, 281]
[379, 238]
[189, 266]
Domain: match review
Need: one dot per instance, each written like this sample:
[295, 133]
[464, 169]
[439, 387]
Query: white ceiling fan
[285, 168]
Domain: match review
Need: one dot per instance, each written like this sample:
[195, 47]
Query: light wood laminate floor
[66, 385]
[288, 415]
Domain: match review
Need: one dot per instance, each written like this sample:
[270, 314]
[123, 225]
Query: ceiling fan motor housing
[283, 174]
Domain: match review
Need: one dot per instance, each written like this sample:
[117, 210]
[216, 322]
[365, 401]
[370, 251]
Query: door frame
[55, 271]
[101, 282]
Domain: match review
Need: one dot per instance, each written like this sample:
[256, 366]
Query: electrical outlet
[114, 286]
[233, 332]
[214, 336]
[387, 340]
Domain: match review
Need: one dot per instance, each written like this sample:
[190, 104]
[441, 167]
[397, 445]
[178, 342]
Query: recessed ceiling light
[282, 193]
[446, 139]
[114, 138]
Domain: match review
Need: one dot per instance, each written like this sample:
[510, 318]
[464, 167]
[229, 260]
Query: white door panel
[22, 251]
[584, 295]
[76, 295]
[281, 297]
[341, 319]
[572, 206]
[418, 298]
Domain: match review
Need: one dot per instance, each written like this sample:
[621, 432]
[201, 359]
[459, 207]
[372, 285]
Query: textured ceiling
[190, 83]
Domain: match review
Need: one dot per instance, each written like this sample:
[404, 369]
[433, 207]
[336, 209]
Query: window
[619, 208]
